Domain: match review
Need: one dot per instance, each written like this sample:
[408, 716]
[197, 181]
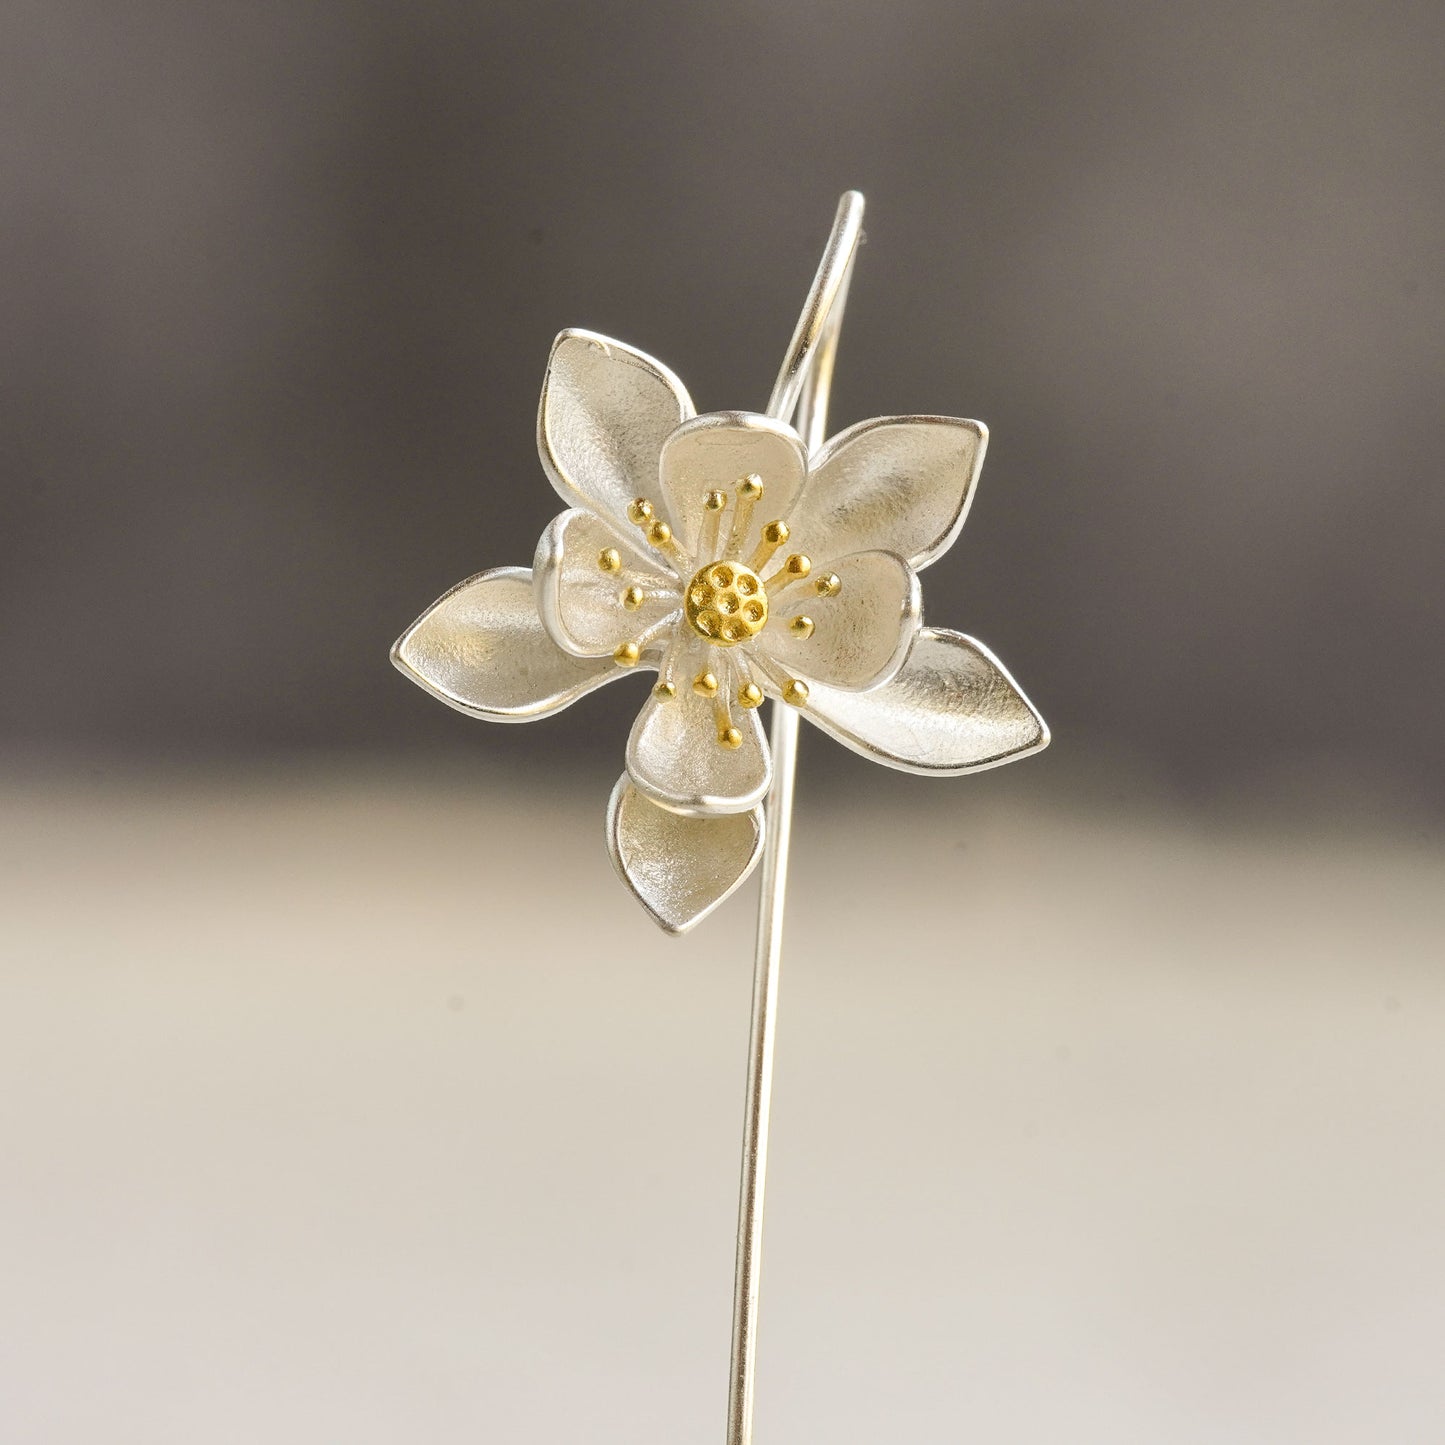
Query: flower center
[726, 603]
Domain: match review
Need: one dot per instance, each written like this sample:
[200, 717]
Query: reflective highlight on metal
[661, 561]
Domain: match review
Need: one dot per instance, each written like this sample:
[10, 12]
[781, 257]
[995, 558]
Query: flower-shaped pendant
[716, 551]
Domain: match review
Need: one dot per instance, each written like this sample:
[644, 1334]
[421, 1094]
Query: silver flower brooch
[744, 557]
[741, 565]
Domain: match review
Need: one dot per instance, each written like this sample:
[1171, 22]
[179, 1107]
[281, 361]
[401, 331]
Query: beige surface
[1126, 1131]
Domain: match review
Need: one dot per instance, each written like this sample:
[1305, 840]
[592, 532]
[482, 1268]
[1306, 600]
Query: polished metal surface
[803, 384]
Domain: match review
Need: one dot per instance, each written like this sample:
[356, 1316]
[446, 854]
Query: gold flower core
[726, 603]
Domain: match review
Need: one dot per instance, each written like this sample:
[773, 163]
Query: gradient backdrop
[344, 1095]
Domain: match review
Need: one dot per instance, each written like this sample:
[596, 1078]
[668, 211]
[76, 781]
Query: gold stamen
[829, 586]
[796, 692]
[729, 738]
[659, 534]
[705, 684]
[774, 535]
[750, 490]
[626, 654]
[609, 559]
[794, 569]
[632, 598]
[801, 627]
[640, 511]
[750, 695]
[714, 504]
[664, 691]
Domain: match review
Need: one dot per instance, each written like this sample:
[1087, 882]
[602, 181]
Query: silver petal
[673, 754]
[679, 868]
[580, 604]
[482, 649]
[713, 453]
[861, 636]
[953, 708]
[606, 411]
[903, 483]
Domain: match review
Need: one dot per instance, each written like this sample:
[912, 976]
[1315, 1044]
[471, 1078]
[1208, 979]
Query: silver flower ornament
[714, 550]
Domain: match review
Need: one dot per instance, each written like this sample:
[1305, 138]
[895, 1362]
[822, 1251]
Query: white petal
[861, 636]
[674, 755]
[483, 650]
[902, 483]
[679, 868]
[606, 411]
[713, 453]
[951, 709]
[581, 605]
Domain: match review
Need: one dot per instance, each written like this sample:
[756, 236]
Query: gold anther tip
[659, 534]
[730, 738]
[609, 559]
[801, 627]
[705, 684]
[751, 487]
[796, 692]
[775, 533]
[829, 586]
[664, 691]
[715, 501]
[632, 598]
[750, 695]
[626, 654]
[640, 511]
[797, 565]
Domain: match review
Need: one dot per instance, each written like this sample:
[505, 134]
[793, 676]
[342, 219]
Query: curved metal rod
[803, 385]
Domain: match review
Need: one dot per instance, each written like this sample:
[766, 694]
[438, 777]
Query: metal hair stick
[804, 383]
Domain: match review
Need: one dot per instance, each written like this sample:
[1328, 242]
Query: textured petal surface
[951, 709]
[713, 453]
[673, 753]
[483, 650]
[581, 605]
[679, 868]
[606, 411]
[861, 636]
[903, 483]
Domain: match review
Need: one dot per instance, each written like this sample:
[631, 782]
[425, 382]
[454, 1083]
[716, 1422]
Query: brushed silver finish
[672, 752]
[952, 709]
[679, 868]
[860, 637]
[579, 604]
[900, 483]
[482, 649]
[605, 412]
[713, 451]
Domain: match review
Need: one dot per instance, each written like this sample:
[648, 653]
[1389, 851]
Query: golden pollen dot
[797, 565]
[801, 627]
[751, 487]
[659, 534]
[632, 598]
[705, 684]
[750, 695]
[829, 586]
[664, 692]
[730, 738]
[715, 501]
[725, 603]
[640, 511]
[609, 559]
[796, 692]
[626, 654]
[775, 533]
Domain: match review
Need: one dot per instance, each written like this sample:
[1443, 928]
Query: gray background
[346, 1096]
[279, 282]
